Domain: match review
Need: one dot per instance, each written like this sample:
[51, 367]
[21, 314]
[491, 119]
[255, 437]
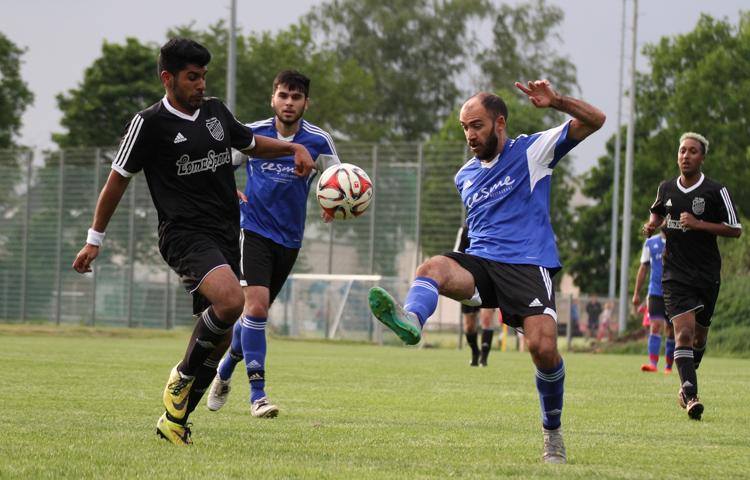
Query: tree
[414, 50]
[15, 95]
[118, 84]
[522, 49]
[678, 94]
[341, 94]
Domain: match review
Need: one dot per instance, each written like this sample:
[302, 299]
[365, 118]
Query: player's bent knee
[229, 306]
[544, 348]
[430, 268]
[256, 310]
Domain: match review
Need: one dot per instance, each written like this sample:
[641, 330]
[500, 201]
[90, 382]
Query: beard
[490, 147]
[185, 100]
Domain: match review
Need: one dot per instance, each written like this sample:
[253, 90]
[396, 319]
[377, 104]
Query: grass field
[84, 405]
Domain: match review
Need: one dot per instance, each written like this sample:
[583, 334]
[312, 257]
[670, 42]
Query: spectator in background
[593, 310]
[607, 326]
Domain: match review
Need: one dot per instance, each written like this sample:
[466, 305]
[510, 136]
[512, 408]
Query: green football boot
[404, 324]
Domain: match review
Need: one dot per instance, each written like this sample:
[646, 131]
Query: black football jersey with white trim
[187, 161]
[691, 255]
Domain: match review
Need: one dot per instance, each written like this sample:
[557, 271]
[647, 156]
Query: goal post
[330, 306]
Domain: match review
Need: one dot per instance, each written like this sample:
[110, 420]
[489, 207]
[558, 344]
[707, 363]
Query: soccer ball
[344, 191]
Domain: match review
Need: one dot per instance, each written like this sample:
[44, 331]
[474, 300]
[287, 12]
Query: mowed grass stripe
[86, 406]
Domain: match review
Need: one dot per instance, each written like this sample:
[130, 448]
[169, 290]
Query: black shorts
[681, 298]
[193, 254]
[465, 309]
[656, 310]
[519, 291]
[265, 263]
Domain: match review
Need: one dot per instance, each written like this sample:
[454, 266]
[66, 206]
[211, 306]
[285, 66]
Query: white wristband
[94, 238]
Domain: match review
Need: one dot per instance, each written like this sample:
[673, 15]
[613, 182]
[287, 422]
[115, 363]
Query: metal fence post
[25, 244]
[417, 236]
[60, 182]
[373, 212]
[373, 208]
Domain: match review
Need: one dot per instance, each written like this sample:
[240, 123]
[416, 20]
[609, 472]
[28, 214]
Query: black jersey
[693, 256]
[187, 160]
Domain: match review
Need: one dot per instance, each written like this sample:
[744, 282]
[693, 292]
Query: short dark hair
[178, 53]
[493, 104]
[294, 80]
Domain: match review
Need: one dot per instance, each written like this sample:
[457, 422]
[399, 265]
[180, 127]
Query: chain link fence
[47, 201]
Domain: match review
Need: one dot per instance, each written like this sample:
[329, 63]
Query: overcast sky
[63, 37]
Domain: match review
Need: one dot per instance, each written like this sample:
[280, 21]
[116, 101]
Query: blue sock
[669, 352]
[233, 356]
[422, 298]
[254, 350]
[550, 385]
[654, 347]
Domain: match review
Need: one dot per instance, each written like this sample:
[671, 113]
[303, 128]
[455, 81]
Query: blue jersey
[653, 249]
[507, 199]
[277, 198]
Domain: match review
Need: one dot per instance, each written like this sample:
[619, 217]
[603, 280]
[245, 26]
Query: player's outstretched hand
[241, 196]
[88, 253]
[540, 92]
[303, 162]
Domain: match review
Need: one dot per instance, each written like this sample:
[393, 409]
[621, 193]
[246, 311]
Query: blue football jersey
[653, 249]
[277, 198]
[507, 199]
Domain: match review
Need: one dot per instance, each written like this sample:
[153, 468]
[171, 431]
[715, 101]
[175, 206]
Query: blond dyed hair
[698, 137]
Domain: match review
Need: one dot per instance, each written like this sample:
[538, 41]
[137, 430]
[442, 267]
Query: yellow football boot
[173, 432]
[176, 393]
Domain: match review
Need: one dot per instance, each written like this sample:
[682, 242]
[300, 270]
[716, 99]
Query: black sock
[471, 339]
[203, 377]
[208, 333]
[486, 344]
[683, 358]
[698, 355]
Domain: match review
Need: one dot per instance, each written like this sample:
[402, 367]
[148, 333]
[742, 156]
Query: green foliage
[523, 49]
[15, 95]
[378, 413]
[414, 50]
[341, 93]
[121, 82]
[678, 94]
[730, 326]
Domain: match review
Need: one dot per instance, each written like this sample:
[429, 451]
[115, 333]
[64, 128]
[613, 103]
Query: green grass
[84, 405]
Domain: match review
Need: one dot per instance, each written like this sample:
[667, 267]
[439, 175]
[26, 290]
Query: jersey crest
[214, 127]
[699, 205]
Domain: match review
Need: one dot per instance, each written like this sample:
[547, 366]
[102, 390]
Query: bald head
[482, 118]
[490, 102]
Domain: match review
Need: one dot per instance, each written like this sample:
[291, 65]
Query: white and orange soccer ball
[344, 191]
